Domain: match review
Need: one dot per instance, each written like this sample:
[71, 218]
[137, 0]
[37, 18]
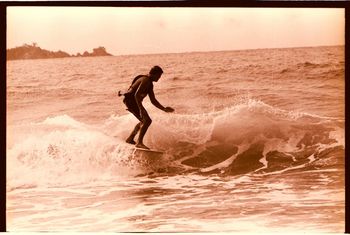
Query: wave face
[247, 138]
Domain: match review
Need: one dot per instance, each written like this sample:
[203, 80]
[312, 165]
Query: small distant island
[35, 52]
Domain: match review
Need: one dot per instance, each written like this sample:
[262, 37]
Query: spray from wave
[251, 137]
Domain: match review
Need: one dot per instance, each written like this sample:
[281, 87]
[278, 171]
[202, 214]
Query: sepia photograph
[175, 119]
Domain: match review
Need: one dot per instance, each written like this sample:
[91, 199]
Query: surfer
[142, 86]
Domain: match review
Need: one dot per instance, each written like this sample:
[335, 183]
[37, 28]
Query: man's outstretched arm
[156, 103]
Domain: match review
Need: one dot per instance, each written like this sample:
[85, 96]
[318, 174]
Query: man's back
[146, 83]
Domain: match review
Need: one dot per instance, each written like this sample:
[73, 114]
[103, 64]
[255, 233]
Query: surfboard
[150, 150]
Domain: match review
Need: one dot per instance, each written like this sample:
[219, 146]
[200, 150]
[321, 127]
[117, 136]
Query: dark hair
[156, 70]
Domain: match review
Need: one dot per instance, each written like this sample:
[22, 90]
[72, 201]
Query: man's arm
[155, 102]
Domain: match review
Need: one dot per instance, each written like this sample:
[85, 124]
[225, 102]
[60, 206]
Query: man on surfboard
[142, 86]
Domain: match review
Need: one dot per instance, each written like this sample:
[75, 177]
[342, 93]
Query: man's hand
[169, 110]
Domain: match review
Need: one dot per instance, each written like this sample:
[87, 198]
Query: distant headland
[35, 52]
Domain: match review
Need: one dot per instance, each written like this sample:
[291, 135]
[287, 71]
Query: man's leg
[132, 108]
[130, 139]
[146, 122]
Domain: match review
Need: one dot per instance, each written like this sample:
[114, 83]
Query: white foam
[63, 120]
[65, 156]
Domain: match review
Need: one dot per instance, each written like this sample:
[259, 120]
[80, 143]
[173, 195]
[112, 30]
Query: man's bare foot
[141, 145]
[130, 141]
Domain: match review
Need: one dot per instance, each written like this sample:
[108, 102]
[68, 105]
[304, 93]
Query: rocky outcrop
[35, 52]
[99, 51]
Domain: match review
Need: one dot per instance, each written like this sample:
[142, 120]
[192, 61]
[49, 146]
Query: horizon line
[189, 52]
[227, 50]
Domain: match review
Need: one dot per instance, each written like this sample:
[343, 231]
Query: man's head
[155, 73]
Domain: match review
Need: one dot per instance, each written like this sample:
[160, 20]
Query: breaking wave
[247, 138]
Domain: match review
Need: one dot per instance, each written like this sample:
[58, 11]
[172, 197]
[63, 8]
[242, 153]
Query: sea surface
[256, 143]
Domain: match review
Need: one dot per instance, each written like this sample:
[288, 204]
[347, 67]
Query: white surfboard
[149, 150]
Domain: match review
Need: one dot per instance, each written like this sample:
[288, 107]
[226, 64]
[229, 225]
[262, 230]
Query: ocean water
[256, 143]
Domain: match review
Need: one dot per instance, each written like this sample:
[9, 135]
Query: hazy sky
[159, 30]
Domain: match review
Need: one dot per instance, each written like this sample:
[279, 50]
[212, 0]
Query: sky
[148, 30]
